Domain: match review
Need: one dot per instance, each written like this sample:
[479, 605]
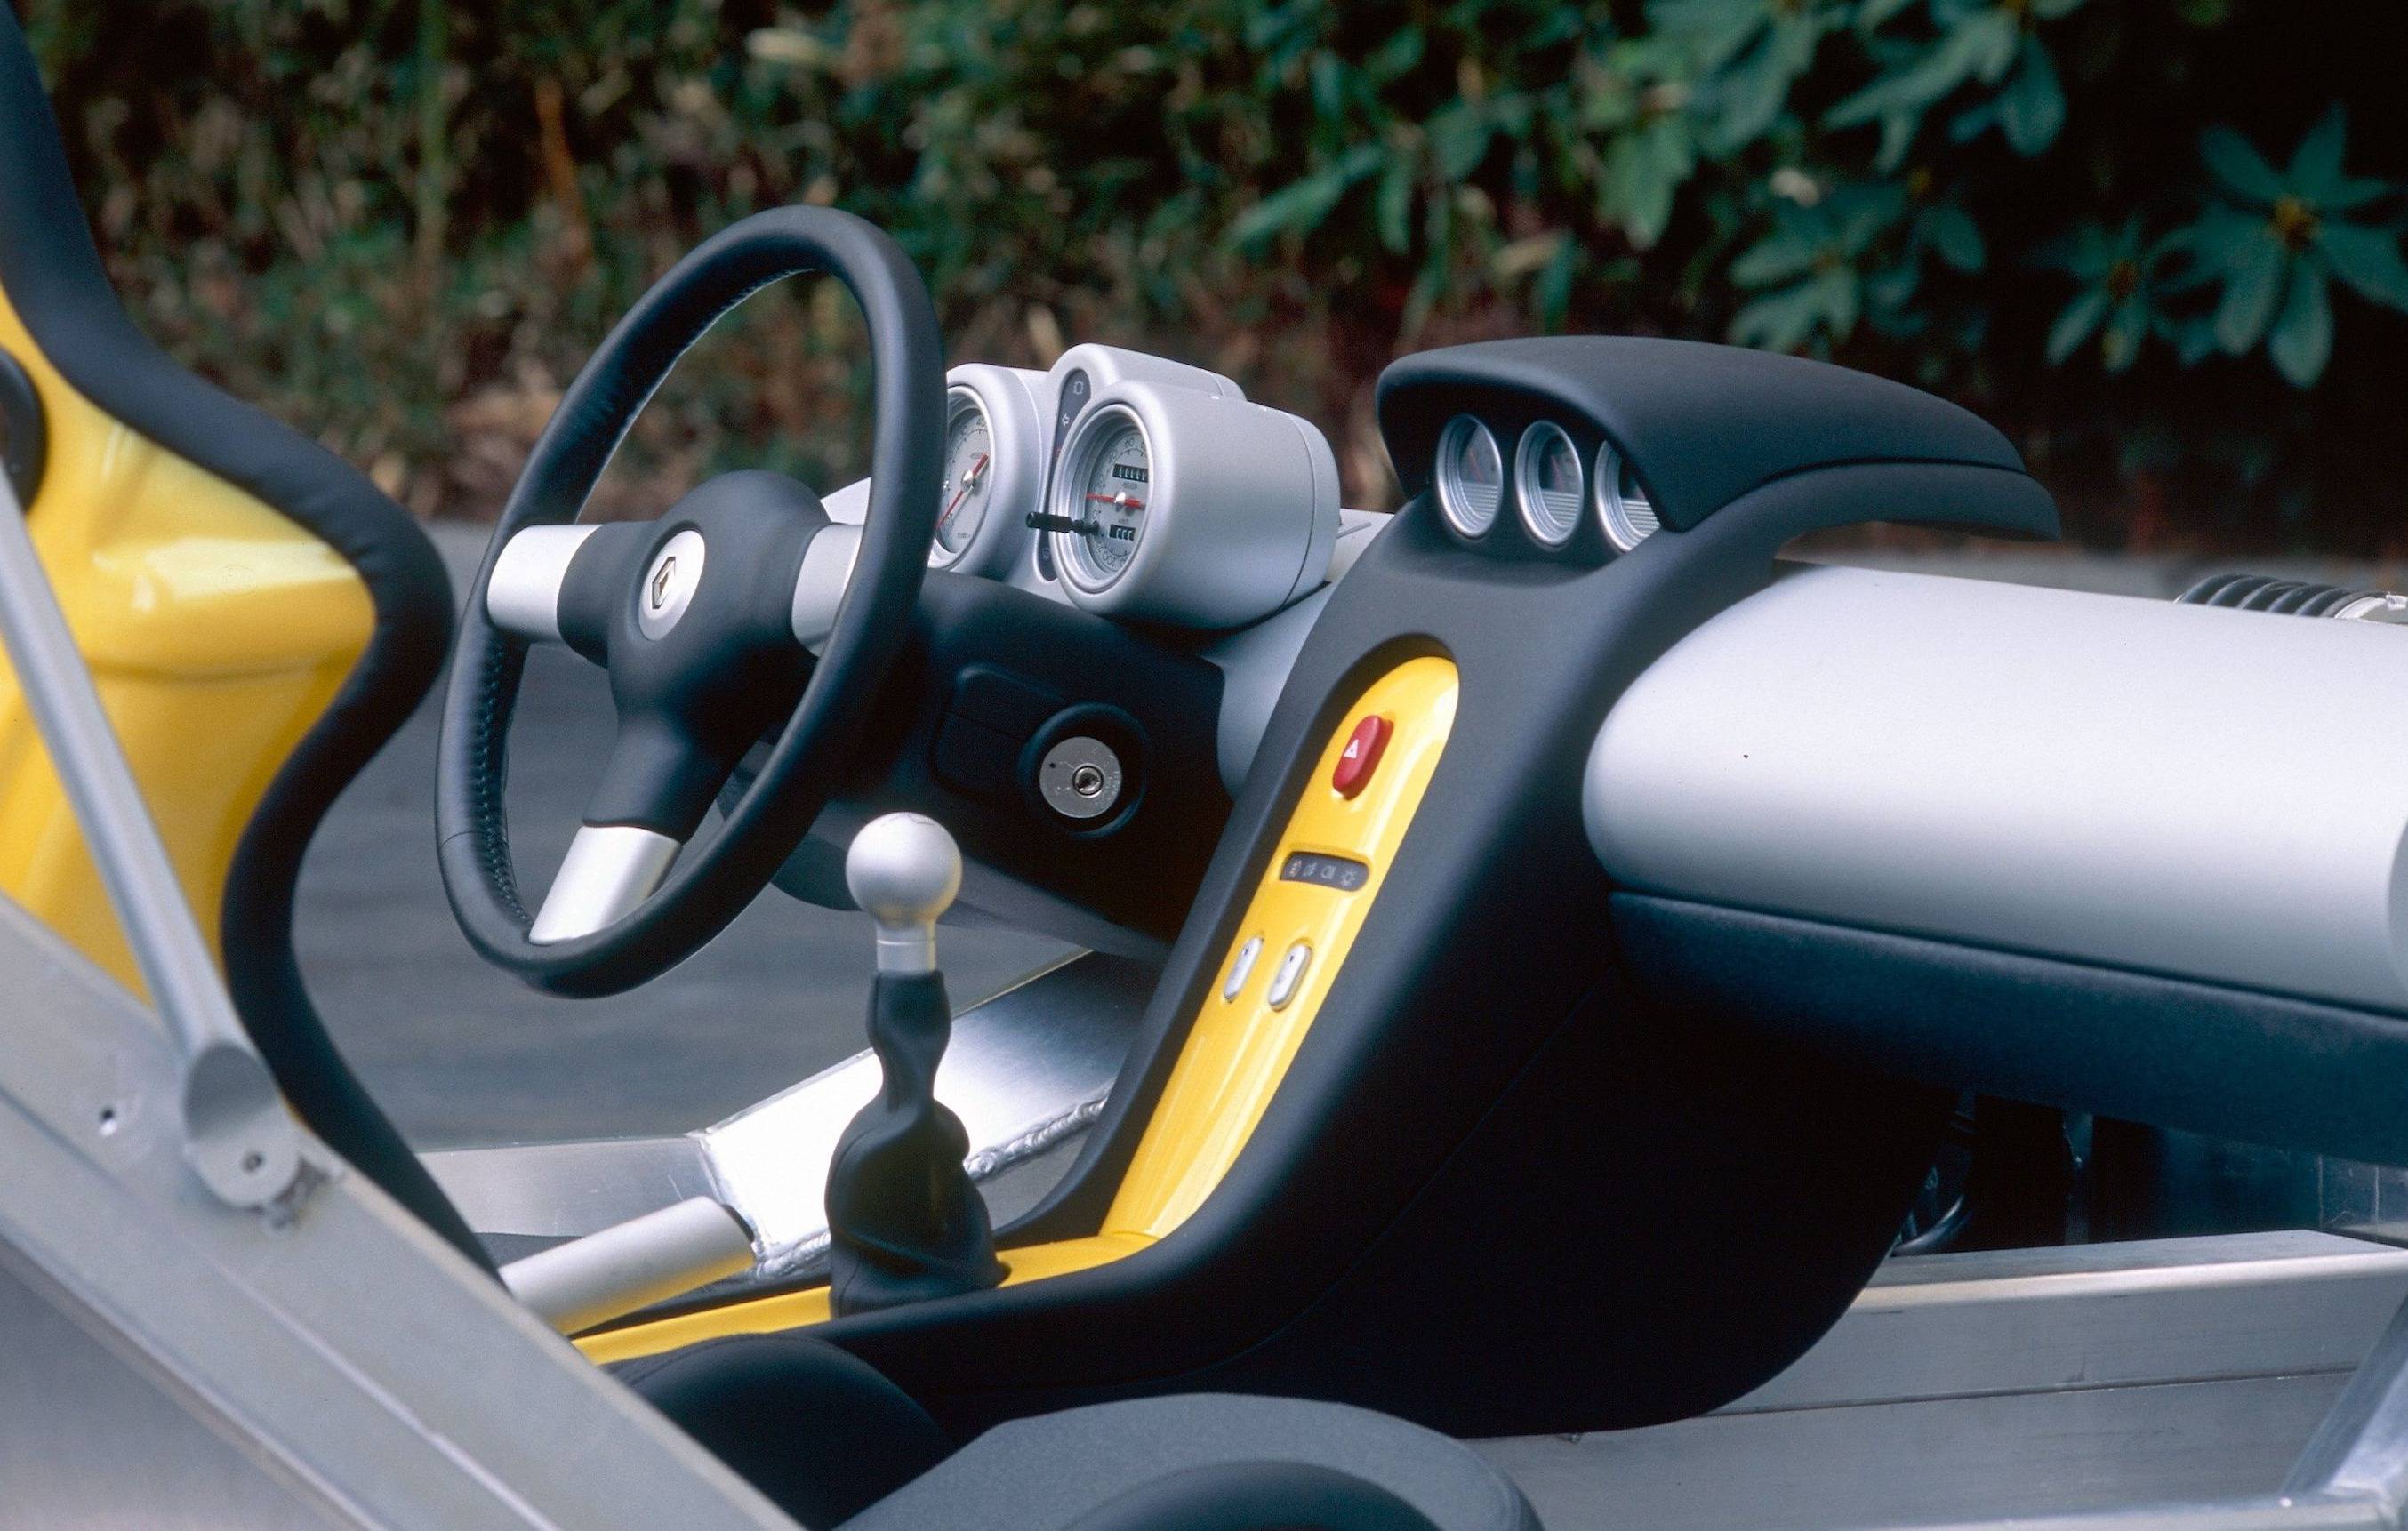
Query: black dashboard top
[1699, 425]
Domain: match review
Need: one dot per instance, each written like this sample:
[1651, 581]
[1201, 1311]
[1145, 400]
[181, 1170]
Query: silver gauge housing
[1106, 482]
[1191, 510]
[1470, 476]
[971, 479]
[1622, 504]
[1548, 484]
[983, 525]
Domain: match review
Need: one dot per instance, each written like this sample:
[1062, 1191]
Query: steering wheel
[742, 605]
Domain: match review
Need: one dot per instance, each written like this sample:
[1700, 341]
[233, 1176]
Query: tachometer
[969, 475]
[994, 450]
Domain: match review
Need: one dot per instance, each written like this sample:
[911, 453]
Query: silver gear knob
[904, 869]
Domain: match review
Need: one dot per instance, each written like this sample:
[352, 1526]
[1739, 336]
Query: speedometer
[1112, 475]
[1189, 508]
[969, 474]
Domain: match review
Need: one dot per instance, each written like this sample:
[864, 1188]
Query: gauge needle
[969, 481]
[1121, 499]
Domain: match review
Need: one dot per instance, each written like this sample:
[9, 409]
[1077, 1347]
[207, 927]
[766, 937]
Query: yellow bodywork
[217, 631]
[1239, 1049]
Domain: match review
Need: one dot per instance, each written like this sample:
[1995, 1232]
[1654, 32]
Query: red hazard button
[1361, 756]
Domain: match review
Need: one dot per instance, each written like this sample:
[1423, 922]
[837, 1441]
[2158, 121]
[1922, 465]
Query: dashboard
[1129, 557]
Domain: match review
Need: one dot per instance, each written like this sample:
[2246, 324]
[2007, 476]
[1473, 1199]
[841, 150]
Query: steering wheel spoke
[610, 870]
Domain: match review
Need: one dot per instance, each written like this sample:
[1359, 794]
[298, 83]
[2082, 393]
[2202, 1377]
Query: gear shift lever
[904, 1223]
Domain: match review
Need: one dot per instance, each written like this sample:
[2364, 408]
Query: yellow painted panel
[801, 1310]
[216, 629]
[1239, 1049]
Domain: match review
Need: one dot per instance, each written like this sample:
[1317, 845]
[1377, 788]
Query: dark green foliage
[402, 222]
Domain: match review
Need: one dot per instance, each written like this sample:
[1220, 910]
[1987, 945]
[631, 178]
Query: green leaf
[2222, 237]
[1552, 290]
[1955, 237]
[1458, 139]
[1643, 171]
[1398, 56]
[2253, 284]
[1891, 291]
[1301, 206]
[2075, 325]
[1778, 258]
[2368, 258]
[2193, 340]
[2032, 109]
[1778, 321]
[1392, 204]
[2127, 327]
[1989, 42]
[2242, 170]
[1841, 294]
[2303, 339]
[2052, 10]
[2315, 164]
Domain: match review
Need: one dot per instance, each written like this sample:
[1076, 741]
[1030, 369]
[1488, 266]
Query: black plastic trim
[24, 432]
[2233, 1063]
[1698, 430]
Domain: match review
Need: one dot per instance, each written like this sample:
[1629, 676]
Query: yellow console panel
[1320, 883]
[1330, 863]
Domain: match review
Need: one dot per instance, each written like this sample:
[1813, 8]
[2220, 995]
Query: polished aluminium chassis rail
[2163, 1383]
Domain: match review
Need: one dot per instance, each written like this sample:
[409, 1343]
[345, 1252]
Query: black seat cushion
[823, 1433]
[834, 1442]
[1165, 1456]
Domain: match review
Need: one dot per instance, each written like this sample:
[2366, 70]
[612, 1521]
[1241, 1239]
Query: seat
[258, 617]
[834, 1443]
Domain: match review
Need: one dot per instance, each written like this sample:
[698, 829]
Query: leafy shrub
[403, 222]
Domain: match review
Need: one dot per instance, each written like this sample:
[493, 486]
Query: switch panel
[1323, 877]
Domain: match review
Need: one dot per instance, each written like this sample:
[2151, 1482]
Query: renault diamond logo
[669, 584]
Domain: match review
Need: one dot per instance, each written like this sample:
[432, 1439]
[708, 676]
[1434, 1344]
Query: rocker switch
[1242, 969]
[1361, 756]
[1289, 975]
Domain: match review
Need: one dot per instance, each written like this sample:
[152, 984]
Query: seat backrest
[258, 616]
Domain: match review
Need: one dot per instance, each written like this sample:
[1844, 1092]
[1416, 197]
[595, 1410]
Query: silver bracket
[238, 1137]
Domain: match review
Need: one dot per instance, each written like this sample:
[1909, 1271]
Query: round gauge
[1470, 476]
[1548, 481]
[1621, 502]
[969, 475]
[1106, 491]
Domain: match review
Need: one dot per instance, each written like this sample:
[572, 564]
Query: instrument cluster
[1554, 482]
[1135, 487]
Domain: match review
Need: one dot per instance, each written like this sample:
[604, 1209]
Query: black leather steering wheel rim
[711, 886]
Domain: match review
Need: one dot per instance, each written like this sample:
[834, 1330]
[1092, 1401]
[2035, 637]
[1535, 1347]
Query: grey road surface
[462, 1053]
